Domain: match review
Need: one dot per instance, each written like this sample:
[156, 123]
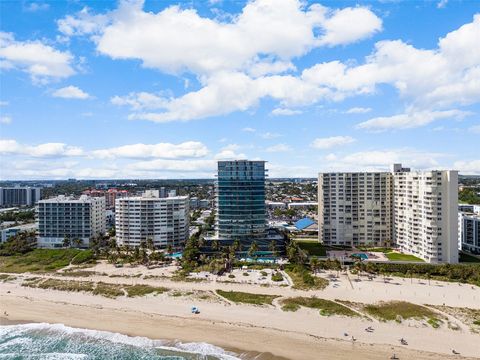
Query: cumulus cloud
[278, 148]
[36, 6]
[410, 120]
[381, 160]
[186, 41]
[189, 149]
[285, 112]
[5, 119]
[330, 142]
[249, 129]
[71, 92]
[12, 147]
[42, 62]
[270, 135]
[358, 110]
[469, 167]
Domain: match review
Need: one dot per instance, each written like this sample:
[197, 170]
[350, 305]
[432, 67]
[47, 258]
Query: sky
[158, 89]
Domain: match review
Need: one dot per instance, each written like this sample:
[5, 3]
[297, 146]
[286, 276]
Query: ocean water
[56, 341]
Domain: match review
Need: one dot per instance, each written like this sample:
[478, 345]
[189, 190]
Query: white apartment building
[73, 218]
[426, 215]
[469, 232]
[469, 208]
[416, 211]
[355, 208]
[162, 219]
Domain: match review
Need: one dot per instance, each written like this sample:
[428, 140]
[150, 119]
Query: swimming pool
[362, 256]
[176, 255]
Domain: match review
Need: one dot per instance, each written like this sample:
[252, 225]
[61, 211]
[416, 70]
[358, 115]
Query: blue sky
[157, 89]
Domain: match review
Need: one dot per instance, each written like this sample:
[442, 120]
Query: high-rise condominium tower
[67, 217]
[355, 208]
[19, 196]
[416, 211]
[161, 219]
[426, 214]
[240, 198]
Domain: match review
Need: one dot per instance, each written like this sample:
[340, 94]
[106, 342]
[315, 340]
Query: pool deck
[345, 255]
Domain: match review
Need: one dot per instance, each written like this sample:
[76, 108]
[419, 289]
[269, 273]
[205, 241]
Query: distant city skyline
[158, 89]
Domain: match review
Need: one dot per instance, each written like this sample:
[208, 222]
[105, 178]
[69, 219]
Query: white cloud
[470, 167]
[381, 160]
[5, 119]
[33, 7]
[189, 149]
[12, 147]
[71, 92]
[3, 103]
[278, 148]
[442, 4]
[285, 112]
[178, 39]
[270, 135]
[350, 25]
[410, 120]
[474, 129]
[249, 129]
[330, 142]
[358, 110]
[42, 62]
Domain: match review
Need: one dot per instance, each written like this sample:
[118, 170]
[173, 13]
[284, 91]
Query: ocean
[57, 341]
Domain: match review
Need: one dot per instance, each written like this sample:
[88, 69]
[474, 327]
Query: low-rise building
[77, 219]
[469, 208]
[6, 233]
[469, 232]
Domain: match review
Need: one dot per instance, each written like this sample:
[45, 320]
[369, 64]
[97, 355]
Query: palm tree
[77, 242]
[237, 246]
[169, 249]
[150, 244]
[252, 251]
[314, 264]
[66, 241]
[215, 245]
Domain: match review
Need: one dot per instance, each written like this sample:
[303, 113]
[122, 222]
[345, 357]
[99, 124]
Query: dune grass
[108, 290]
[397, 310]
[142, 290]
[62, 285]
[39, 260]
[326, 307]
[247, 298]
[304, 280]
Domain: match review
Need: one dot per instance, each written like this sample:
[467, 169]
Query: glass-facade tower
[240, 195]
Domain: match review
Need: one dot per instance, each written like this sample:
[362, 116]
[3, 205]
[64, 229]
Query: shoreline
[269, 342]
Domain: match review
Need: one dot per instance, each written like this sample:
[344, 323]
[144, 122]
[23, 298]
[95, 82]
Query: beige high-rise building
[426, 214]
[162, 219]
[355, 208]
[415, 211]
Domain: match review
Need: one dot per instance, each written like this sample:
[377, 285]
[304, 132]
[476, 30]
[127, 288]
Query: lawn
[393, 256]
[312, 247]
[467, 258]
[41, 260]
[247, 298]
[326, 307]
[397, 310]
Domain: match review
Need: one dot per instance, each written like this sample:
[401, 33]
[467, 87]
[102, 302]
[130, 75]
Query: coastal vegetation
[469, 195]
[142, 290]
[326, 307]
[42, 260]
[303, 279]
[398, 310]
[247, 298]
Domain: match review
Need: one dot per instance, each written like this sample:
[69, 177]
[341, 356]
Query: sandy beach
[264, 329]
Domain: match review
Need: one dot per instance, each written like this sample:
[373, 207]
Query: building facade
[73, 218]
[355, 208]
[165, 220]
[19, 196]
[469, 232]
[416, 211]
[469, 208]
[240, 201]
[426, 215]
